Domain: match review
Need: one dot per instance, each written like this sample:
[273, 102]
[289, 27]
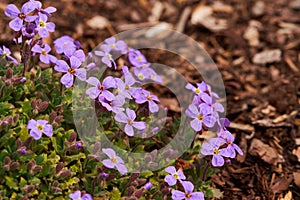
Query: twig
[183, 18]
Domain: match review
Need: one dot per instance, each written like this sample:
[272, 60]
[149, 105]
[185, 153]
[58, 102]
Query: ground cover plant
[42, 156]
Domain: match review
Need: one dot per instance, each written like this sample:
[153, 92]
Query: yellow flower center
[127, 87]
[114, 160]
[139, 58]
[187, 195]
[108, 56]
[216, 151]
[200, 117]
[42, 24]
[71, 70]
[176, 176]
[197, 90]
[22, 16]
[130, 122]
[40, 127]
[149, 98]
[113, 46]
[141, 76]
[44, 52]
[101, 87]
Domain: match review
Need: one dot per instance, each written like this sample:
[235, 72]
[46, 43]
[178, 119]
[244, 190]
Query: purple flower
[38, 127]
[43, 26]
[78, 54]
[112, 44]
[114, 161]
[188, 193]
[114, 105]
[145, 73]
[101, 89]
[227, 138]
[68, 78]
[201, 87]
[123, 90]
[142, 96]
[46, 11]
[174, 175]
[77, 196]
[136, 58]
[5, 52]
[200, 116]
[19, 16]
[210, 104]
[29, 31]
[128, 119]
[44, 56]
[148, 186]
[65, 44]
[212, 147]
[106, 57]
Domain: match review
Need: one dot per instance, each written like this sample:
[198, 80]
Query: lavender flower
[112, 44]
[43, 26]
[44, 56]
[148, 186]
[136, 58]
[114, 161]
[142, 96]
[212, 147]
[29, 31]
[227, 138]
[6, 53]
[146, 73]
[65, 44]
[106, 57]
[38, 127]
[188, 193]
[77, 196]
[173, 175]
[46, 11]
[114, 105]
[79, 54]
[200, 116]
[101, 89]
[200, 89]
[128, 119]
[19, 16]
[73, 70]
[210, 104]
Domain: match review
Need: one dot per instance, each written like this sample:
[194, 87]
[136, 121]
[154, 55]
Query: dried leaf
[281, 185]
[97, 22]
[264, 151]
[297, 178]
[267, 56]
[203, 15]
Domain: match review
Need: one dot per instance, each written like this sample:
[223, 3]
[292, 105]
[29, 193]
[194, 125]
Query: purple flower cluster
[32, 25]
[204, 112]
[38, 127]
[178, 175]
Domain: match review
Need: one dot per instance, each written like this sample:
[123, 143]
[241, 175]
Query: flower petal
[177, 195]
[188, 186]
[93, 92]
[109, 152]
[121, 117]
[122, 169]
[16, 24]
[12, 11]
[171, 180]
[196, 124]
[129, 130]
[67, 80]
[61, 66]
[81, 74]
[48, 130]
[139, 125]
[93, 81]
[36, 134]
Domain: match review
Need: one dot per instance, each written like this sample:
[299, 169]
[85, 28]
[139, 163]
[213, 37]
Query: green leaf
[11, 182]
[115, 194]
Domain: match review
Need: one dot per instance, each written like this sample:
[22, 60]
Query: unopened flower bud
[22, 150]
[104, 175]
[9, 73]
[148, 186]
[134, 176]
[96, 148]
[28, 188]
[14, 165]
[78, 145]
[7, 160]
[72, 137]
[59, 166]
[130, 190]
[139, 193]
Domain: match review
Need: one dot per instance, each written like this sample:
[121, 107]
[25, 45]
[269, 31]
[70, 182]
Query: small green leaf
[115, 194]
[11, 183]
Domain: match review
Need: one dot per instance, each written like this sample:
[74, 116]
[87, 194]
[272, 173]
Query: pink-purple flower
[43, 51]
[6, 53]
[38, 127]
[19, 16]
[65, 44]
[77, 196]
[43, 26]
[142, 96]
[212, 147]
[101, 89]
[188, 193]
[136, 58]
[111, 44]
[200, 116]
[174, 175]
[114, 161]
[225, 137]
[71, 71]
[128, 119]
